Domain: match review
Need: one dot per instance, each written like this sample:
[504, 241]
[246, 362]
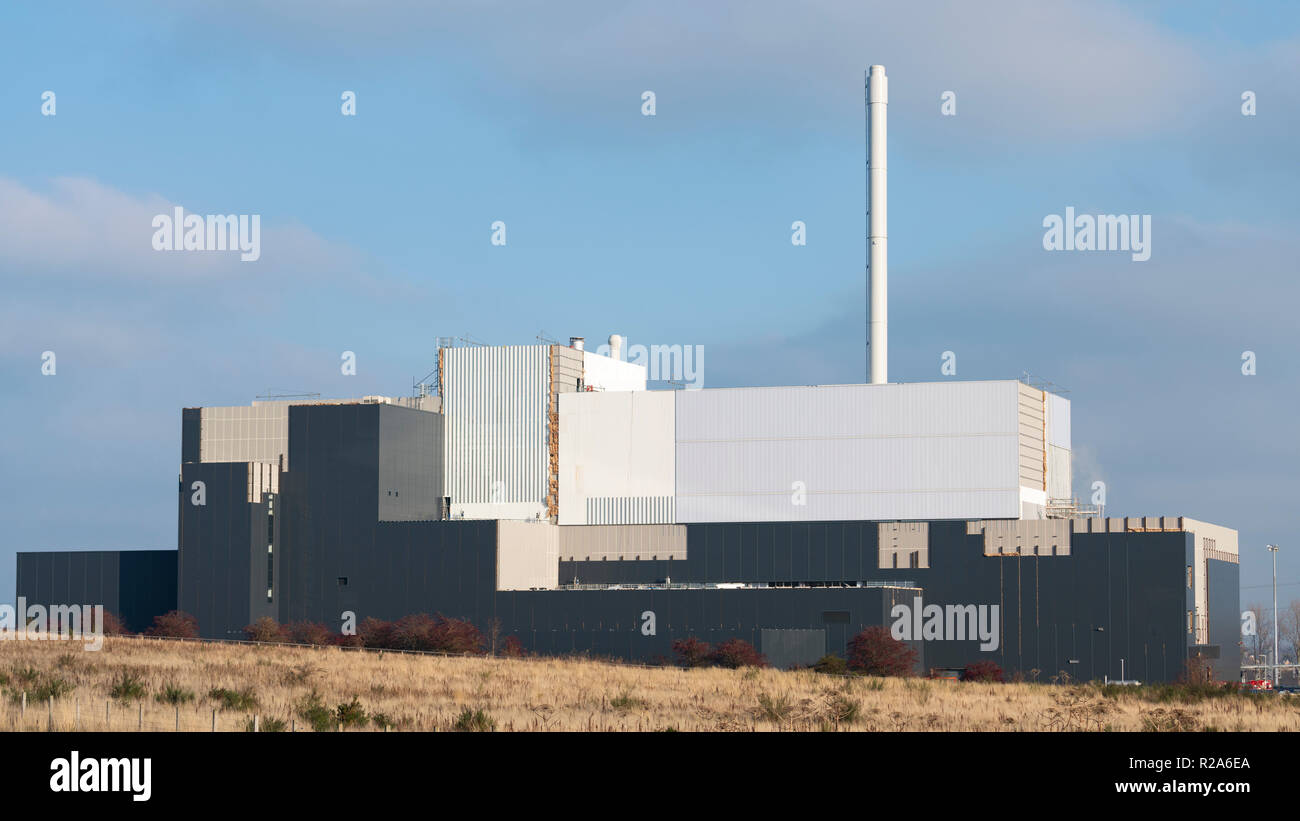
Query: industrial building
[789, 517]
[543, 490]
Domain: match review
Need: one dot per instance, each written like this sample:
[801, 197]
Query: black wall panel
[1114, 607]
[134, 585]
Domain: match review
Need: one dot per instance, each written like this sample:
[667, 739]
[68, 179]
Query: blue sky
[672, 229]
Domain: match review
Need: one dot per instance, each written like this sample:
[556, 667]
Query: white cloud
[1071, 70]
[83, 230]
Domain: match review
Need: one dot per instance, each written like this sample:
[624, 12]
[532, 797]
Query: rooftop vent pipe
[576, 342]
[877, 94]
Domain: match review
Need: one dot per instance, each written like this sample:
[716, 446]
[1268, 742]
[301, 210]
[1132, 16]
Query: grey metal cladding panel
[191, 434]
[79, 578]
[1224, 606]
[135, 585]
[782, 552]
[35, 578]
[107, 579]
[60, 582]
[779, 552]
[330, 506]
[216, 539]
[410, 464]
[45, 578]
[24, 575]
[785, 648]
[802, 548]
[437, 567]
[608, 622]
[146, 580]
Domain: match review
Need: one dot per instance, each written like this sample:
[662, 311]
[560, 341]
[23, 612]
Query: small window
[1189, 577]
[343, 581]
[1189, 622]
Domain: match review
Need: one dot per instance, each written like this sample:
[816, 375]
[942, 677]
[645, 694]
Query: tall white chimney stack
[877, 234]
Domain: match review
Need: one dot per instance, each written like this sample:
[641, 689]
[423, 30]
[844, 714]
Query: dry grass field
[134, 683]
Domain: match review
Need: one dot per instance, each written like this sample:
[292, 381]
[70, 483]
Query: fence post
[107, 702]
[51, 713]
[214, 721]
[293, 725]
[77, 719]
[139, 719]
[257, 723]
[24, 704]
[178, 718]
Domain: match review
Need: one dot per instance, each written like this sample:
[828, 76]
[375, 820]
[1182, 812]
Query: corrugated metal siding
[494, 411]
[1033, 433]
[262, 478]
[919, 451]
[616, 510]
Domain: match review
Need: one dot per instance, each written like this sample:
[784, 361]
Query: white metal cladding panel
[920, 409]
[616, 445]
[605, 374]
[494, 412]
[920, 451]
[1060, 483]
[1058, 421]
[999, 504]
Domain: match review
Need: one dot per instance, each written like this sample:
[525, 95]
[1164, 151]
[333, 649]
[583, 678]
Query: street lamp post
[1273, 549]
